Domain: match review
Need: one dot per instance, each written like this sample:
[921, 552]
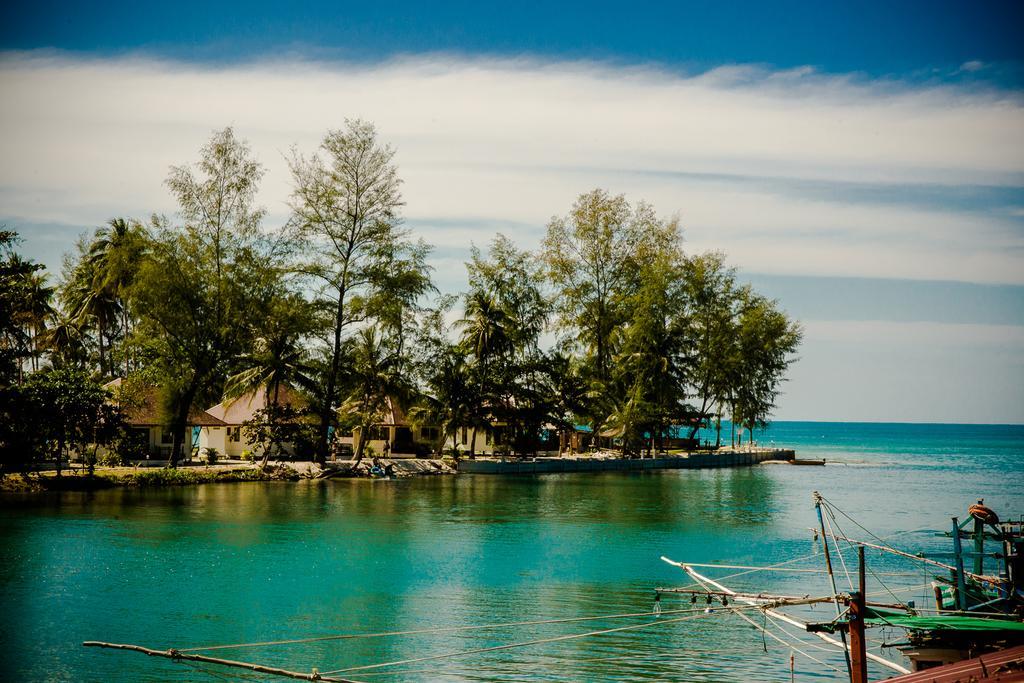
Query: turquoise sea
[242, 563]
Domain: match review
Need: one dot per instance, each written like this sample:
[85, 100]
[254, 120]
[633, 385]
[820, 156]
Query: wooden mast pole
[979, 546]
[832, 577]
[961, 584]
[858, 639]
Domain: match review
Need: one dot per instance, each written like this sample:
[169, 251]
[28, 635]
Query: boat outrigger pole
[700, 578]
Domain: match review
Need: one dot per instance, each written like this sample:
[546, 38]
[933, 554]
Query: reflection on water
[250, 562]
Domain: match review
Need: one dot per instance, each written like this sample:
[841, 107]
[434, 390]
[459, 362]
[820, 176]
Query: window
[166, 436]
[234, 434]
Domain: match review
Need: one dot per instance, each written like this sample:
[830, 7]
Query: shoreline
[225, 473]
[190, 475]
[125, 477]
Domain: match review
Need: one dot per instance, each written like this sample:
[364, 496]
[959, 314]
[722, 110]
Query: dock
[686, 461]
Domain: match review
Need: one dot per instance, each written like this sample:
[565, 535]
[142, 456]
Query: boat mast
[958, 556]
[858, 639]
[832, 578]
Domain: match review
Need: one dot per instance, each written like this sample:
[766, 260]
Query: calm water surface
[253, 562]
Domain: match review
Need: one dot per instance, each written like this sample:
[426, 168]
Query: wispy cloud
[770, 166]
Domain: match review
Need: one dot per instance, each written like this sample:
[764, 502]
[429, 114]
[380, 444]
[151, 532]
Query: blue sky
[861, 162]
[904, 38]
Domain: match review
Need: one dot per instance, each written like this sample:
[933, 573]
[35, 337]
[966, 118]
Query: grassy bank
[141, 478]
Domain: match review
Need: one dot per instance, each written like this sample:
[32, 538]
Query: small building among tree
[146, 420]
[244, 419]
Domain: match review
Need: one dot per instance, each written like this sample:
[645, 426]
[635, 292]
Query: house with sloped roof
[394, 433]
[229, 438]
[144, 416]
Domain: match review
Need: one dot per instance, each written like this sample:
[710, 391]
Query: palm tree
[65, 341]
[277, 359]
[486, 335]
[374, 377]
[92, 304]
[16, 319]
[451, 399]
[114, 258]
[37, 311]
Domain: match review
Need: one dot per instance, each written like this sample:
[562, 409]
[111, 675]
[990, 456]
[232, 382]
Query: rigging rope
[508, 646]
[839, 552]
[765, 631]
[852, 546]
[439, 629]
[792, 561]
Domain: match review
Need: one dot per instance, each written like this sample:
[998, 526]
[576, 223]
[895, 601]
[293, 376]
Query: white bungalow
[142, 414]
[229, 436]
[489, 440]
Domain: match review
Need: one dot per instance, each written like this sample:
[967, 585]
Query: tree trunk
[103, 365]
[60, 452]
[358, 455]
[270, 411]
[472, 444]
[326, 412]
[179, 422]
[696, 426]
[124, 341]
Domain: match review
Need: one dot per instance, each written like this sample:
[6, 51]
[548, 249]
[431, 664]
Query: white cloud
[514, 141]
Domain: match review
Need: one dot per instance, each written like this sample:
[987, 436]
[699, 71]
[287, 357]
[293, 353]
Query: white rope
[539, 641]
[772, 635]
[794, 560]
[835, 542]
[874, 574]
[439, 629]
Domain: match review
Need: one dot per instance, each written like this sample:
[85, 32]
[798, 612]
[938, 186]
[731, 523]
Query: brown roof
[391, 413]
[146, 411]
[238, 410]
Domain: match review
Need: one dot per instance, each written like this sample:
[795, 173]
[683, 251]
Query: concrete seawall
[677, 462]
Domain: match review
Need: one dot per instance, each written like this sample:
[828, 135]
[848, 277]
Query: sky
[863, 163]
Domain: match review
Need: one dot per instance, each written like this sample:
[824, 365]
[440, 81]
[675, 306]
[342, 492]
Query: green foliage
[206, 280]
[112, 458]
[345, 207]
[652, 369]
[209, 305]
[96, 296]
[211, 455]
[594, 257]
[278, 426]
[24, 304]
[505, 313]
[54, 413]
[372, 383]
[449, 395]
[765, 344]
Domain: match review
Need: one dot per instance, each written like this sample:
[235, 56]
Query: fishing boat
[975, 615]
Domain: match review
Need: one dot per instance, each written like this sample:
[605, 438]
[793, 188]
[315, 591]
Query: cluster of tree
[610, 324]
